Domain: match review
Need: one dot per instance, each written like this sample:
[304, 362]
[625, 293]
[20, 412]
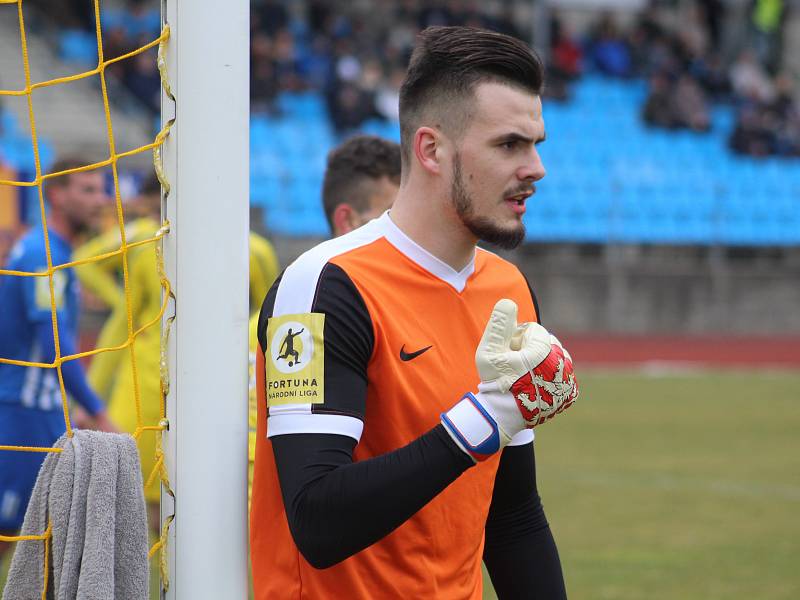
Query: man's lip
[517, 207]
[522, 196]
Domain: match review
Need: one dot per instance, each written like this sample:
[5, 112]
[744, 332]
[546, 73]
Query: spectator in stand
[607, 49]
[116, 43]
[710, 73]
[750, 136]
[387, 98]
[144, 81]
[658, 107]
[566, 55]
[264, 81]
[786, 105]
[565, 61]
[713, 14]
[284, 53]
[693, 37]
[767, 117]
[766, 22]
[349, 107]
[268, 16]
[749, 79]
[690, 105]
[314, 63]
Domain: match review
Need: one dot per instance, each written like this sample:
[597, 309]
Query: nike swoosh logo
[406, 356]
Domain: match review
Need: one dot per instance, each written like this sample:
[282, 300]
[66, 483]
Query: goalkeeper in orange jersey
[397, 455]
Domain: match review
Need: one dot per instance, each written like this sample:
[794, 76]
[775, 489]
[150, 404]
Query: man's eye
[509, 145]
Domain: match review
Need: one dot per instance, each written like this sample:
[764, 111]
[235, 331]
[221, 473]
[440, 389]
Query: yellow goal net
[153, 240]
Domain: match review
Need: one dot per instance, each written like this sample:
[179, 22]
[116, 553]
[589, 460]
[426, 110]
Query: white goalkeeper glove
[526, 378]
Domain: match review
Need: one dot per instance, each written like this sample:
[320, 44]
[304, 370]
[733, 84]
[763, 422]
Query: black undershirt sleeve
[336, 507]
[520, 552]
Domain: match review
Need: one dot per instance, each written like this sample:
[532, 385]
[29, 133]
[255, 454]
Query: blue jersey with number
[25, 303]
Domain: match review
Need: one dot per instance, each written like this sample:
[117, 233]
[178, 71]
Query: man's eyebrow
[518, 137]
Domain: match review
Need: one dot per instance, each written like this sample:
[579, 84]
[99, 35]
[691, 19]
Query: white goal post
[206, 161]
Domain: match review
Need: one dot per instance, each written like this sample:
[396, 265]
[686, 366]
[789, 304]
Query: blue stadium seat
[18, 152]
[112, 18]
[609, 176]
[305, 105]
[78, 46]
[265, 191]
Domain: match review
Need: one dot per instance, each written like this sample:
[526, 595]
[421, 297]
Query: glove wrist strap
[473, 428]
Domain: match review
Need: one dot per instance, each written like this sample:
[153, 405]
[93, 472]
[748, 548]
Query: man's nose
[533, 169]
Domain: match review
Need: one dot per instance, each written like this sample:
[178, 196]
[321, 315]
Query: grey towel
[93, 494]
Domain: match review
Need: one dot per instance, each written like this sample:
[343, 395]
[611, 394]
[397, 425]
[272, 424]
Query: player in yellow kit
[104, 279]
[112, 372]
[263, 271]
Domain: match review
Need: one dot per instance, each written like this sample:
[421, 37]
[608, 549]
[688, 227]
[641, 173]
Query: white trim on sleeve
[288, 423]
[523, 437]
[299, 282]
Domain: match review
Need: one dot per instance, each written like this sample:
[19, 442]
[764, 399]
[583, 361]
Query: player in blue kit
[30, 398]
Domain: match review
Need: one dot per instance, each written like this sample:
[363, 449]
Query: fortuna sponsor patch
[295, 359]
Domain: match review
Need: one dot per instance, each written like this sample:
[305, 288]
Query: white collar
[426, 260]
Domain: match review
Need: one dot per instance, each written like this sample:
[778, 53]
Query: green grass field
[678, 487]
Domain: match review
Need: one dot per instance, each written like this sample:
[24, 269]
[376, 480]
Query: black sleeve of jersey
[266, 312]
[520, 552]
[349, 340]
[336, 507]
[535, 300]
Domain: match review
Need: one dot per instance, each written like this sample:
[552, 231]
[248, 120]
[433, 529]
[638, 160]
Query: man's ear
[427, 149]
[345, 219]
[54, 196]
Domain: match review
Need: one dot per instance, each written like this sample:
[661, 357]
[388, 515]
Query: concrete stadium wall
[667, 290]
[680, 290]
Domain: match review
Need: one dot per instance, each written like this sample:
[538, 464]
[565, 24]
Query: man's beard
[481, 227]
[79, 226]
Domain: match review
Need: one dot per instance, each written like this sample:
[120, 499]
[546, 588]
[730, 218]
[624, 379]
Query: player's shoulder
[300, 279]
[29, 251]
[138, 229]
[489, 262]
[258, 243]
[143, 264]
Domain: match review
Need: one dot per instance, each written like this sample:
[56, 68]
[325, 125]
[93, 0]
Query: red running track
[708, 351]
[616, 350]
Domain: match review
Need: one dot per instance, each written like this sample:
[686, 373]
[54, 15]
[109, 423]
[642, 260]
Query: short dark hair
[447, 64]
[353, 164]
[67, 163]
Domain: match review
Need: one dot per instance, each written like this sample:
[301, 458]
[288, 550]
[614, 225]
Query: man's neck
[57, 224]
[433, 225]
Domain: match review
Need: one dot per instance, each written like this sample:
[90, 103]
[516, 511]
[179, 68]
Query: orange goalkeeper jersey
[415, 356]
